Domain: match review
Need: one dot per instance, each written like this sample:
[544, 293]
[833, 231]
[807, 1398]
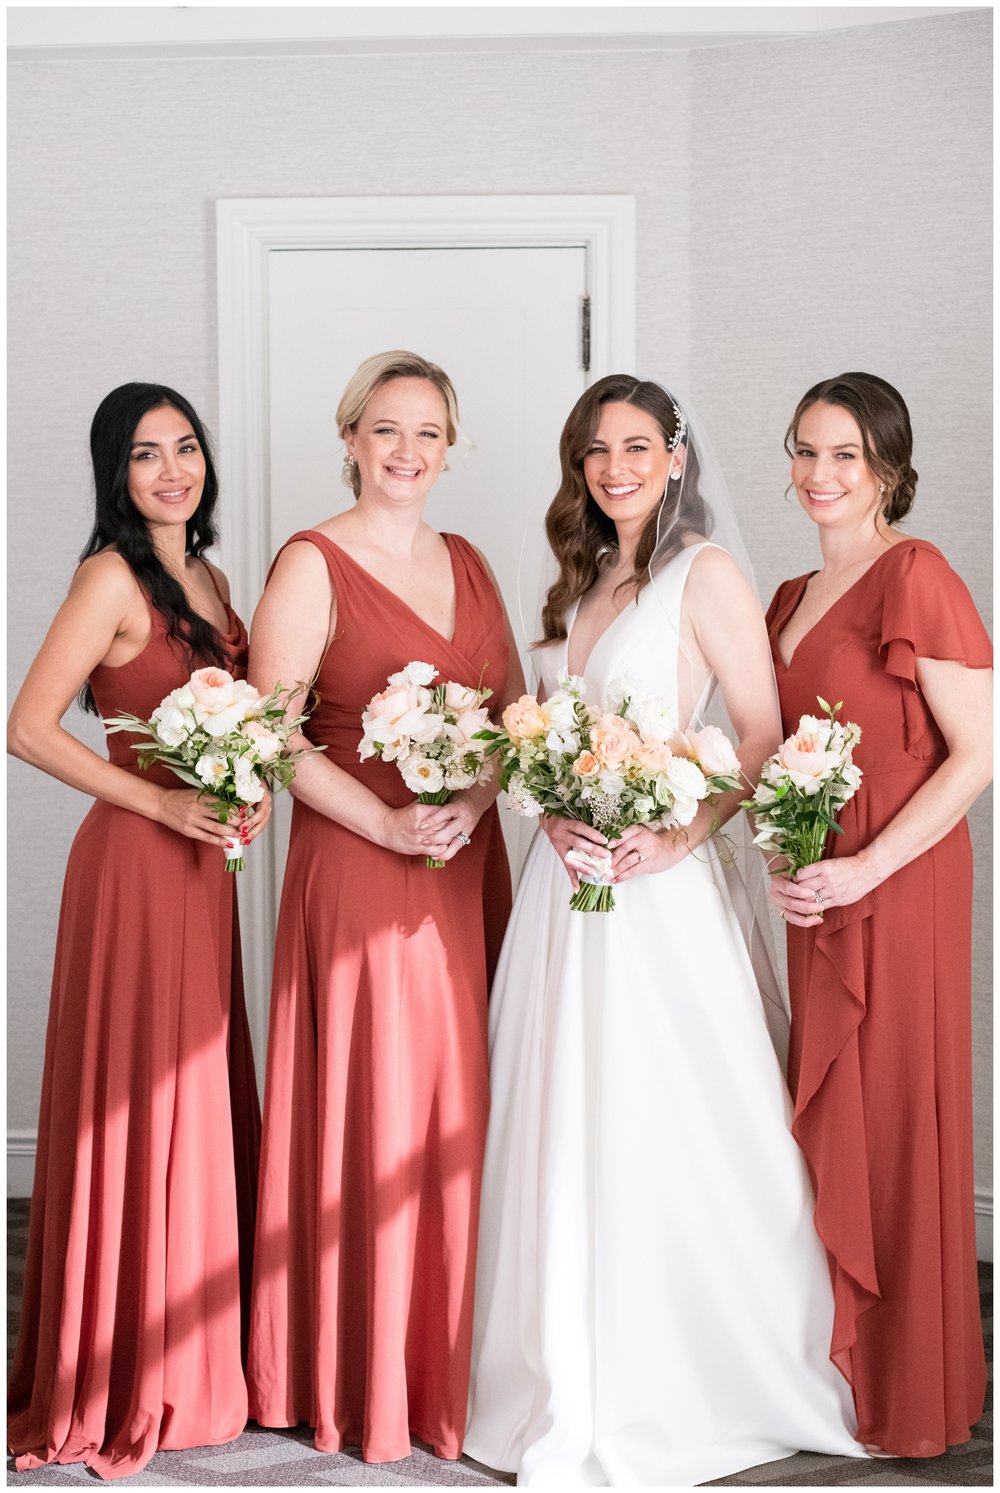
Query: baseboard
[21, 1145]
[984, 1224]
[21, 1169]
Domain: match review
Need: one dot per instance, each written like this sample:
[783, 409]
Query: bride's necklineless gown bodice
[653, 1306]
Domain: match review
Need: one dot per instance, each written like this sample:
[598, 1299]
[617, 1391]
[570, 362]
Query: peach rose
[805, 761]
[612, 740]
[586, 764]
[715, 753]
[525, 719]
[655, 755]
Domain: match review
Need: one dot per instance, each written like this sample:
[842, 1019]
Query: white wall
[802, 207]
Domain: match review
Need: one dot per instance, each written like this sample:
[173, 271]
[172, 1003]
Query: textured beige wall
[840, 192]
[114, 171]
[801, 207]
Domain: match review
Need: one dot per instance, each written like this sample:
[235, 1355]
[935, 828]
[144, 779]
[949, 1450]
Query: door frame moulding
[248, 230]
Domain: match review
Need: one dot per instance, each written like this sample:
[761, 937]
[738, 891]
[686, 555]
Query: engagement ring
[818, 895]
[463, 837]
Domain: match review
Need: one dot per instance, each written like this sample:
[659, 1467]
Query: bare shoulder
[720, 583]
[106, 578]
[219, 577]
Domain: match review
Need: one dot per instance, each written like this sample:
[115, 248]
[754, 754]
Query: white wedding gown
[652, 1303]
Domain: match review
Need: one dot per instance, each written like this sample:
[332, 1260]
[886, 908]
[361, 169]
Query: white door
[505, 324]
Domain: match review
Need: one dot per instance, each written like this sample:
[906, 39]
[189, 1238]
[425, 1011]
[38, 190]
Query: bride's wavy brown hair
[578, 531]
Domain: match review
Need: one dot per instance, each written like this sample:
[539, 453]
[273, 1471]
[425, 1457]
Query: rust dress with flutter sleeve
[377, 1073]
[880, 1059]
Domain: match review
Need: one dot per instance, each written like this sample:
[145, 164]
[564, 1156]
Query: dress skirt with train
[653, 1306]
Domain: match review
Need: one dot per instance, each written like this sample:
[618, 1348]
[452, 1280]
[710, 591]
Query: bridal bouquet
[432, 734]
[218, 734]
[622, 764]
[804, 786]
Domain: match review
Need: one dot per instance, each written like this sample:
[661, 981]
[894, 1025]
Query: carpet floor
[286, 1459]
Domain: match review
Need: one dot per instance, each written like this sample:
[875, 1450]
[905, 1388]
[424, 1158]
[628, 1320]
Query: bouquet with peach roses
[433, 734]
[804, 786]
[620, 764]
[218, 734]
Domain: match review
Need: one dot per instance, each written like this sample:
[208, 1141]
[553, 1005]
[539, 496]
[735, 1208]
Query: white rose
[249, 788]
[414, 673]
[560, 710]
[172, 719]
[683, 811]
[655, 720]
[686, 779]
[421, 775]
[460, 698]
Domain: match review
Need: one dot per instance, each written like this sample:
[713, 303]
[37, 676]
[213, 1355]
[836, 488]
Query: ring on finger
[818, 895]
[463, 837]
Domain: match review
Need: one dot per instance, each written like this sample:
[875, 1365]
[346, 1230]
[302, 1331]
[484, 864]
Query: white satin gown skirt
[653, 1305]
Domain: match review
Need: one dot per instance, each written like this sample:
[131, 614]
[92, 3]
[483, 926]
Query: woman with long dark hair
[880, 931]
[142, 1210]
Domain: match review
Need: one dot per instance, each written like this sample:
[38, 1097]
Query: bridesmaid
[879, 942]
[376, 1099]
[130, 1337]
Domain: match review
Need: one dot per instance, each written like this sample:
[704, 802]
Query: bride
[653, 1306]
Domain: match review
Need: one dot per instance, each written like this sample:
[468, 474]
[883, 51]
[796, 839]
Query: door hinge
[585, 334]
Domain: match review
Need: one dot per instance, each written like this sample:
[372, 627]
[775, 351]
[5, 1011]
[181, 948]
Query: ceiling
[79, 32]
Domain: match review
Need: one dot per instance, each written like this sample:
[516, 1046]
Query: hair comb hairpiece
[681, 430]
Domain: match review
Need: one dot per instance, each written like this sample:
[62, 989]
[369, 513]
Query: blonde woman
[376, 1102]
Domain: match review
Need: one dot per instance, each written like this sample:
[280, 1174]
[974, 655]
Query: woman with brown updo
[879, 943]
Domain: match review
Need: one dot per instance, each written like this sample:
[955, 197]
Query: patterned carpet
[282, 1459]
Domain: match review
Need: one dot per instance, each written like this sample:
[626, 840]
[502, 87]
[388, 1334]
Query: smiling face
[400, 440]
[833, 481]
[627, 465]
[166, 468]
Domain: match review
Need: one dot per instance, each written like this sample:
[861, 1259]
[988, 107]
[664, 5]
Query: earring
[445, 467]
[675, 474]
[348, 468]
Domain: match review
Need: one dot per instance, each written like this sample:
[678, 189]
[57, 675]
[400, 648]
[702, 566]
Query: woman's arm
[960, 700]
[729, 632]
[470, 804]
[292, 629]
[104, 614]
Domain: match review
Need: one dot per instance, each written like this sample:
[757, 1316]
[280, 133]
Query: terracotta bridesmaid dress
[143, 1204]
[377, 1075]
[880, 1061]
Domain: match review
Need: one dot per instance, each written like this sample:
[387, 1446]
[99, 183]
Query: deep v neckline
[823, 616]
[396, 597]
[600, 636]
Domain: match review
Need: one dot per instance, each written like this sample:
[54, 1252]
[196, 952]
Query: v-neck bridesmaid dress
[377, 1077]
[880, 1057]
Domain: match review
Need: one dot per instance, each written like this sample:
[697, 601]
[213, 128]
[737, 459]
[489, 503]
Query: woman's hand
[804, 898]
[568, 835]
[254, 821]
[428, 829]
[190, 813]
[640, 852]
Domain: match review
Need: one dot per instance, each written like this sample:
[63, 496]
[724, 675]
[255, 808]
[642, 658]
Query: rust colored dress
[880, 1060]
[143, 1203]
[377, 1073]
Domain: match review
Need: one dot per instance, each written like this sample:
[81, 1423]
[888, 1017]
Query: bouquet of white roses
[218, 734]
[622, 764]
[804, 786]
[431, 733]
